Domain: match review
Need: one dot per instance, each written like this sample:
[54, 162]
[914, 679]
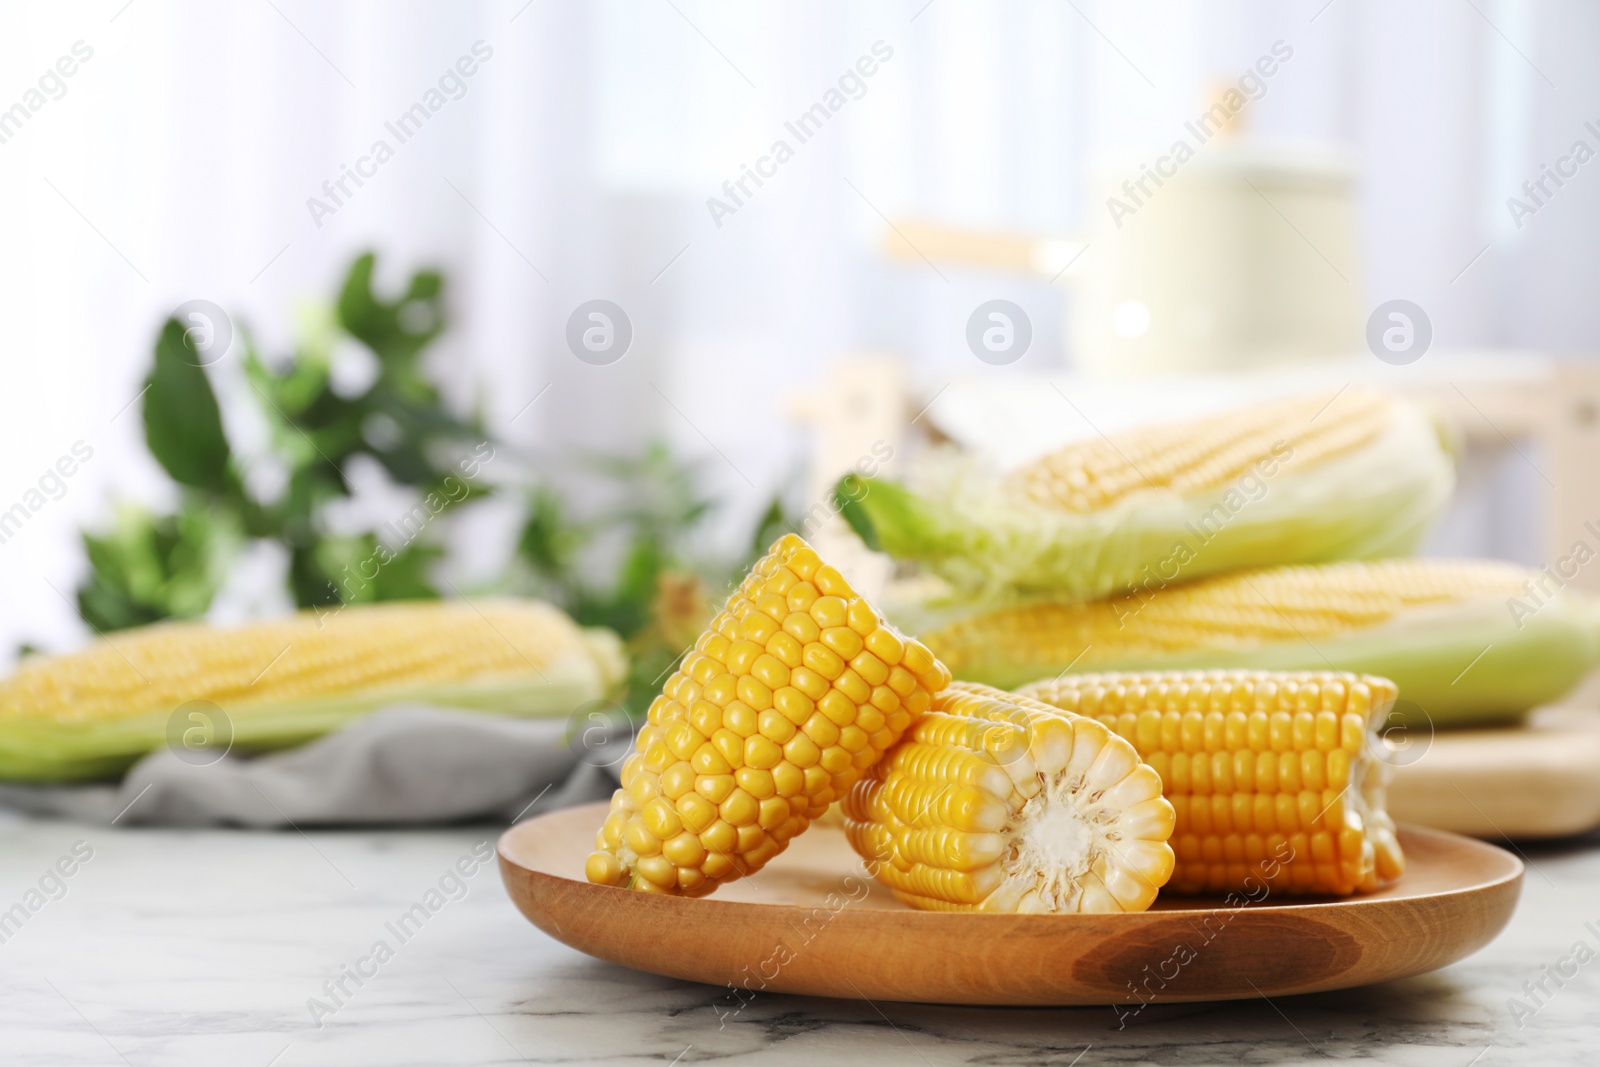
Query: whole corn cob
[995, 802]
[92, 713]
[1461, 638]
[1354, 475]
[795, 689]
[1270, 773]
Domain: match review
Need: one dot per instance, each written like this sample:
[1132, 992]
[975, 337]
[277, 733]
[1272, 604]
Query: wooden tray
[812, 923]
[1540, 780]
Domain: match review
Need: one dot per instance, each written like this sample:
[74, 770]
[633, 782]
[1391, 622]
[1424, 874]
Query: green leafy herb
[182, 425]
[150, 567]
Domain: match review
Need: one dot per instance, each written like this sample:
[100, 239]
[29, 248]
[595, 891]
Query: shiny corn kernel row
[1230, 614]
[302, 658]
[1201, 454]
[797, 687]
[1261, 767]
[995, 802]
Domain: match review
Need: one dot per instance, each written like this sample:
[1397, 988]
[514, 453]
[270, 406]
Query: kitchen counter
[253, 949]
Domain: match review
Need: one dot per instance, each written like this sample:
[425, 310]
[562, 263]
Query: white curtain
[177, 160]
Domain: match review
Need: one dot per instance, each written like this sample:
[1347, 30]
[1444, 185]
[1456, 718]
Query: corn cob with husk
[996, 802]
[1465, 640]
[1272, 775]
[797, 687]
[92, 713]
[1352, 475]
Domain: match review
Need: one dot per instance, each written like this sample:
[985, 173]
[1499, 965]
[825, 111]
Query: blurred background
[541, 155]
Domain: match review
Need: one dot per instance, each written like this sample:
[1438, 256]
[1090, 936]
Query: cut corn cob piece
[1270, 773]
[795, 689]
[92, 713]
[995, 802]
[1464, 640]
[1354, 475]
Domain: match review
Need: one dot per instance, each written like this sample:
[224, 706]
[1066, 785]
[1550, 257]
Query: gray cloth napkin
[402, 764]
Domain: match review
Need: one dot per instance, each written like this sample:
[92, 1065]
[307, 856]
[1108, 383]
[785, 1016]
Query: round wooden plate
[811, 922]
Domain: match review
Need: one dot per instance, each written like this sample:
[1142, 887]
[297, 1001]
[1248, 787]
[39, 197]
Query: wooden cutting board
[1539, 780]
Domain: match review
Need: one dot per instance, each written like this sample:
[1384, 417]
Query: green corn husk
[1467, 641]
[203, 690]
[991, 540]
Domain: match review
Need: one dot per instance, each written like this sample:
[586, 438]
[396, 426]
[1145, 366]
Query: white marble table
[208, 947]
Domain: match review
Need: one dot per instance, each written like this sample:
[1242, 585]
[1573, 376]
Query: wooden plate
[812, 923]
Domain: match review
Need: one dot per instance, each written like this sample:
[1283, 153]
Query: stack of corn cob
[1258, 539]
[1039, 802]
[1082, 796]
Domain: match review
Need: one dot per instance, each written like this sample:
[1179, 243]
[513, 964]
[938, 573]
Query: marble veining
[262, 948]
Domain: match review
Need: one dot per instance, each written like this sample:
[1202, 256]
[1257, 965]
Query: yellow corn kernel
[760, 729]
[1292, 799]
[997, 802]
